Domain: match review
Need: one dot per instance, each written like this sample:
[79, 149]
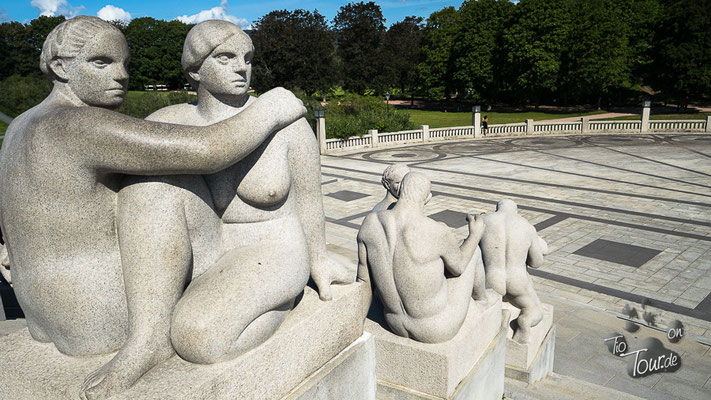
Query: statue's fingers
[324, 288]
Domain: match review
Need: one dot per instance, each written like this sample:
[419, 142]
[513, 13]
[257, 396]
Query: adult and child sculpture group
[187, 240]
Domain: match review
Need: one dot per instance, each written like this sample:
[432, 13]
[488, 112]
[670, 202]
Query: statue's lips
[240, 83]
[116, 90]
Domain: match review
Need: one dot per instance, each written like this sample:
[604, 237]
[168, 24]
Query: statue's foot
[522, 335]
[119, 374]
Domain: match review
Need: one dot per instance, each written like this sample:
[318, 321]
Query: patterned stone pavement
[627, 218]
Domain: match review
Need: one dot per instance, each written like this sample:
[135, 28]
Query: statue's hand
[332, 268]
[476, 224]
[5, 264]
[284, 106]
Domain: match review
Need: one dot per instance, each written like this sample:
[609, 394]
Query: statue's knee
[195, 339]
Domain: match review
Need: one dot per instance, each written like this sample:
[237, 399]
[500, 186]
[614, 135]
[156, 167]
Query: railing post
[529, 127]
[645, 116]
[708, 123]
[476, 120]
[321, 130]
[373, 137]
[425, 133]
[584, 125]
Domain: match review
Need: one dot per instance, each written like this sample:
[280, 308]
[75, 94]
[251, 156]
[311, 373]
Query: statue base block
[532, 361]
[306, 355]
[470, 365]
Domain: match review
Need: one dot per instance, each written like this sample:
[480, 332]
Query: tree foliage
[402, 52]
[296, 50]
[476, 48]
[156, 47]
[360, 29]
[437, 70]
[682, 50]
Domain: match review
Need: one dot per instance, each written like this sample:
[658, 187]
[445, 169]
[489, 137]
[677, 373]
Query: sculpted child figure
[422, 276]
[508, 244]
[392, 177]
[61, 166]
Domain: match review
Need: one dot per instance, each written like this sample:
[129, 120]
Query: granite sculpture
[104, 230]
[392, 177]
[510, 243]
[423, 277]
[5, 264]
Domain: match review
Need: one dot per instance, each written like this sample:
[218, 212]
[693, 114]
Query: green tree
[439, 37]
[534, 46]
[156, 48]
[682, 50]
[39, 28]
[360, 29]
[18, 57]
[402, 50]
[296, 50]
[599, 53]
[475, 49]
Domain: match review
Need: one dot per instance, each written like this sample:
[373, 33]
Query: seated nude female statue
[62, 164]
[424, 279]
[245, 238]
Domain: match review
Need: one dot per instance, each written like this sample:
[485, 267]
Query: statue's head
[392, 176]
[89, 55]
[507, 205]
[415, 187]
[217, 57]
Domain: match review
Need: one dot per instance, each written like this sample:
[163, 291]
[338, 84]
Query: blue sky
[242, 12]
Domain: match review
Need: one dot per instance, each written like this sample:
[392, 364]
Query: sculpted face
[98, 75]
[227, 71]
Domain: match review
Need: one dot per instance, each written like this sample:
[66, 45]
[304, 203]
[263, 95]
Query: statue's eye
[100, 62]
[223, 58]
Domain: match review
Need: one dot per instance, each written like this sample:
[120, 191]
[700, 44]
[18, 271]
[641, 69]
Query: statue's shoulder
[177, 114]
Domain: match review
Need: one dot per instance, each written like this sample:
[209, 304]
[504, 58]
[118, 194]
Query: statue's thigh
[247, 284]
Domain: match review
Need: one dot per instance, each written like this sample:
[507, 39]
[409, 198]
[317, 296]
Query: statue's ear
[59, 68]
[194, 75]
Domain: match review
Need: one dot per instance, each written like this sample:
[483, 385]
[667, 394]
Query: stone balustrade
[584, 126]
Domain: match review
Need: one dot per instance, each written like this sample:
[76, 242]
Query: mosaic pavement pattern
[627, 219]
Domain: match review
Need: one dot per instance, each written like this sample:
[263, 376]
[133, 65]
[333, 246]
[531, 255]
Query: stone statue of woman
[61, 165]
[246, 238]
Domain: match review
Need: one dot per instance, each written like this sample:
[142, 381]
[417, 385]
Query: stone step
[561, 387]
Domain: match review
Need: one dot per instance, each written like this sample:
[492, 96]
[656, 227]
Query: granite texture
[436, 369]
[423, 278]
[104, 230]
[541, 366]
[461, 371]
[348, 376]
[314, 333]
[522, 355]
[509, 244]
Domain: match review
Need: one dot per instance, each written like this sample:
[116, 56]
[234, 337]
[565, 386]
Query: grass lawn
[3, 128]
[697, 116]
[440, 119]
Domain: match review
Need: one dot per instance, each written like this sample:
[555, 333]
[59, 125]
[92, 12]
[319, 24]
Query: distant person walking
[485, 125]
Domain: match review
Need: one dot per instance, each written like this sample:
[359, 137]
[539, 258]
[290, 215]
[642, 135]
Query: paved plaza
[627, 218]
[628, 221]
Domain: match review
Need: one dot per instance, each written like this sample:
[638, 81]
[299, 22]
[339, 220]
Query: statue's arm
[536, 251]
[456, 258]
[305, 165]
[111, 142]
[375, 262]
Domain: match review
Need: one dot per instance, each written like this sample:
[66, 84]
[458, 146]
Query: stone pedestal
[306, 357]
[470, 365]
[532, 361]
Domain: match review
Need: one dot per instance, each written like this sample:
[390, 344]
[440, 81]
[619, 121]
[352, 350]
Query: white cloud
[4, 16]
[51, 8]
[111, 13]
[215, 13]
